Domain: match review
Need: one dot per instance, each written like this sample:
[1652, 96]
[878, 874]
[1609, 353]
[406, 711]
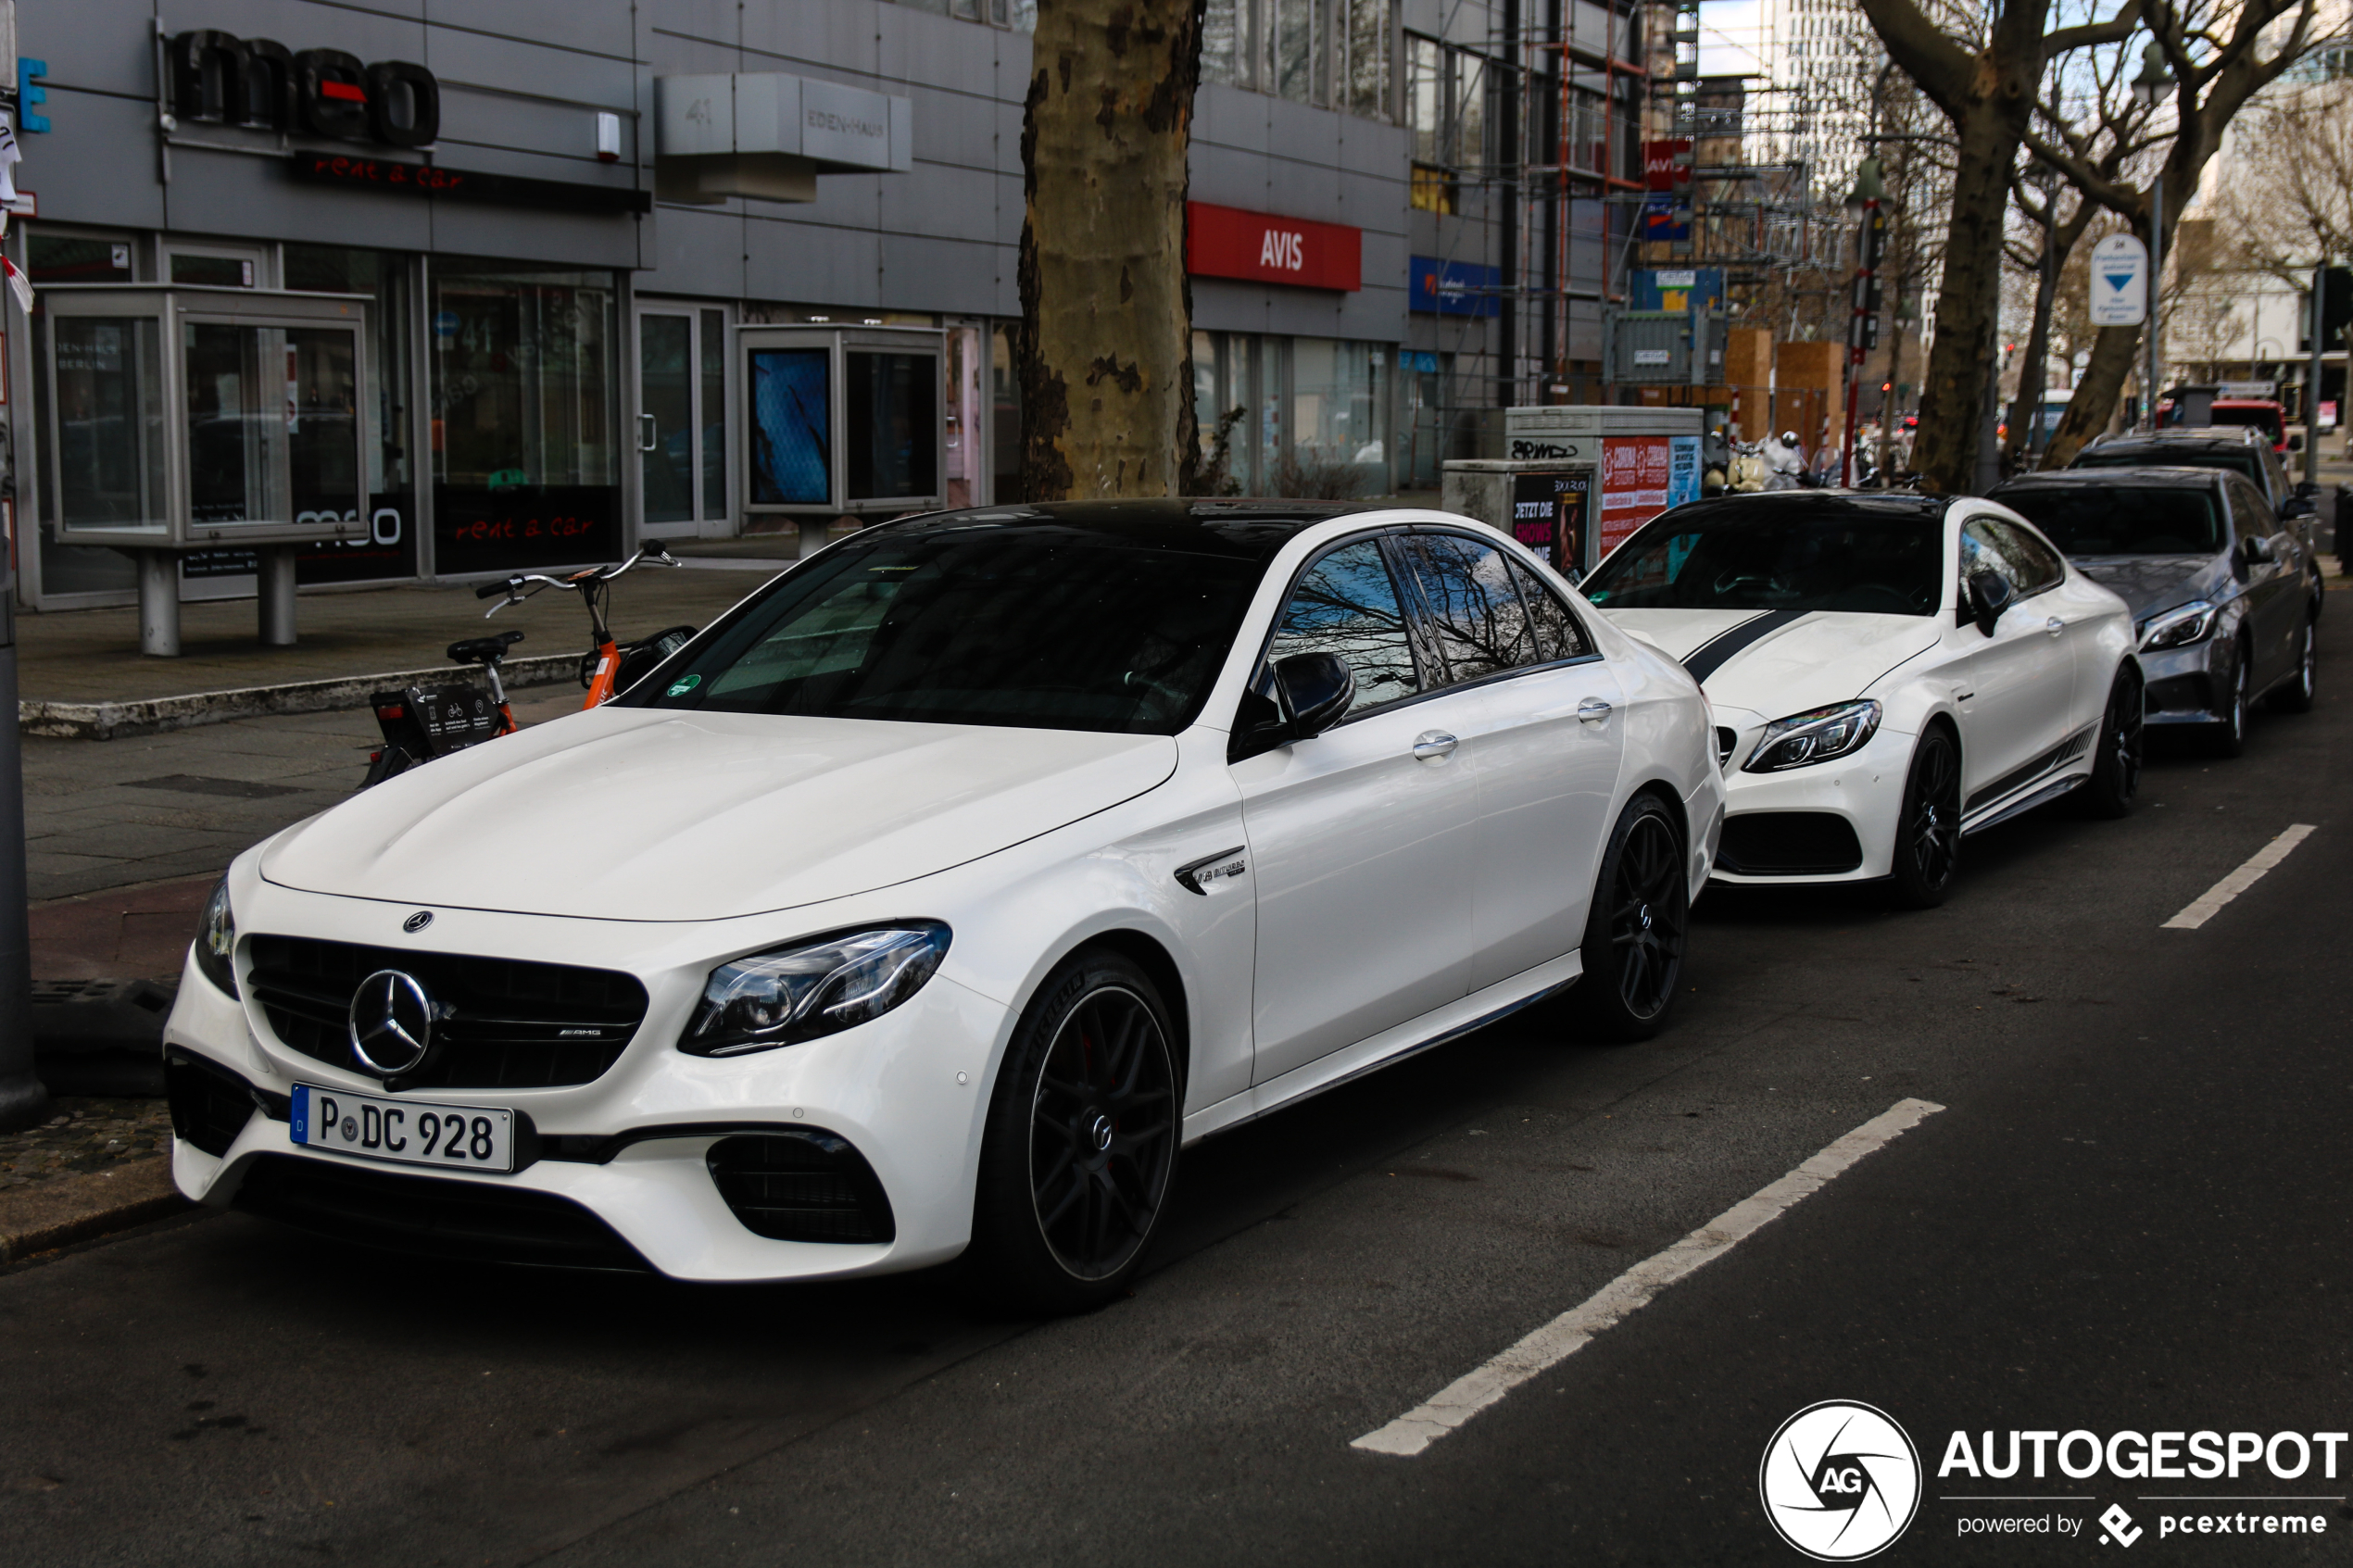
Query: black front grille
[209, 1105]
[505, 1025]
[801, 1186]
[2180, 694]
[476, 1221]
[1788, 844]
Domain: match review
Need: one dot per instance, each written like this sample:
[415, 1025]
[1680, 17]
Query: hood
[1785, 662]
[648, 814]
[2150, 583]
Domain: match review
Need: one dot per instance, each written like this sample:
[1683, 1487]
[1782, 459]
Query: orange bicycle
[423, 722]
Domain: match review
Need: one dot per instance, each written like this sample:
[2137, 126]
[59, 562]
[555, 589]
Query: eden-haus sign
[219, 79]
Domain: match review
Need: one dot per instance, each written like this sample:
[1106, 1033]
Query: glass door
[681, 420]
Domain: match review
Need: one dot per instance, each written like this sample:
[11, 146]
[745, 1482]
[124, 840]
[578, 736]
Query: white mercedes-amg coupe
[937, 893]
[1889, 674]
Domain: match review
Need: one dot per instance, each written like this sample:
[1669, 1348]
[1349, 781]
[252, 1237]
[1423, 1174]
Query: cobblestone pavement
[102, 814]
[85, 1135]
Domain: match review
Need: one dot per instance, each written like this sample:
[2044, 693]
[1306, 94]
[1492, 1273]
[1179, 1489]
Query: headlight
[2179, 627]
[1806, 738]
[217, 940]
[815, 988]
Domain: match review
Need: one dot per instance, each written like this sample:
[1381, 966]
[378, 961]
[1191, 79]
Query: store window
[524, 455]
[1004, 418]
[384, 278]
[1305, 417]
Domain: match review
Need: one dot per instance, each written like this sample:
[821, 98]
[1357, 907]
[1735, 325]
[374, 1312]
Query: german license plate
[448, 1137]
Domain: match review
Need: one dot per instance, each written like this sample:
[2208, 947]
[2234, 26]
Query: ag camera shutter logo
[1840, 1481]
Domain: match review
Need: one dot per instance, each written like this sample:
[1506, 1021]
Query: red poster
[1634, 484]
[1225, 241]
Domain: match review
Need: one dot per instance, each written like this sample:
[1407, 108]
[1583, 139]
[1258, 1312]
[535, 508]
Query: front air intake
[800, 1186]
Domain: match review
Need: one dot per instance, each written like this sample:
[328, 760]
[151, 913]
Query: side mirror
[1316, 689]
[1990, 593]
[2298, 507]
[2255, 549]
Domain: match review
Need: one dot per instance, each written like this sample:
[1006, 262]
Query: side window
[2255, 518]
[1347, 604]
[1983, 549]
[1475, 613]
[1559, 635]
[2040, 566]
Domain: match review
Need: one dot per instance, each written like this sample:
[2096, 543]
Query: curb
[69, 1208]
[146, 716]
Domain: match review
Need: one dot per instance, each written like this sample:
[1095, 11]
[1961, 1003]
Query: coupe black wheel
[2296, 696]
[1928, 832]
[1635, 932]
[2230, 735]
[2116, 751]
[1082, 1140]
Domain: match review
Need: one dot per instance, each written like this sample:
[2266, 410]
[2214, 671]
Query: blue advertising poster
[1682, 470]
[1454, 288]
[791, 445]
[1677, 289]
[1666, 218]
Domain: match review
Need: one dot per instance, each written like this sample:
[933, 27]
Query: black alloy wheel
[2295, 697]
[2116, 750]
[1928, 832]
[1637, 928]
[2230, 737]
[1081, 1146]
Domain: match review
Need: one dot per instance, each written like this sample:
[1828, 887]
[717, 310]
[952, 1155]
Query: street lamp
[2148, 87]
[1863, 204]
[1870, 190]
[2155, 81]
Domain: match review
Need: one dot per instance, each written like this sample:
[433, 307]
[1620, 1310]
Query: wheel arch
[1146, 952]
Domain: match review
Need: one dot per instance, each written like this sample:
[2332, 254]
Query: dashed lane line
[2209, 904]
[1573, 1330]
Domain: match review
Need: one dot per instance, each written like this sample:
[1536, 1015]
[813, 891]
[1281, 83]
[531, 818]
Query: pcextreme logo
[1840, 1481]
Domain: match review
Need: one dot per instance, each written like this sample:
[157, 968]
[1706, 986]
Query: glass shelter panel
[111, 469]
[894, 426]
[790, 394]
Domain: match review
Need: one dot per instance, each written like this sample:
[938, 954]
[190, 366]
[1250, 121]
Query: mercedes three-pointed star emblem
[391, 1020]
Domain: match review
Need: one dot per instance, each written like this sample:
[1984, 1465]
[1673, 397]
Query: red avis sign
[1225, 241]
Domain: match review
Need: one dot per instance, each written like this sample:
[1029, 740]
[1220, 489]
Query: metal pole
[1858, 310]
[2312, 376]
[23, 1099]
[2156, 292]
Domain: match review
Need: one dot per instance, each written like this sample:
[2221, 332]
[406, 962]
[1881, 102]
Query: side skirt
[2041, 796]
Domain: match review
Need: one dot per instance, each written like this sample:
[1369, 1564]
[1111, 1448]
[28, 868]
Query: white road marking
[2209, 904]
[1573, 1330]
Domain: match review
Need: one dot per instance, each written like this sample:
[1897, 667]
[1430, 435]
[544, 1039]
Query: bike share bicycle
[423, 722]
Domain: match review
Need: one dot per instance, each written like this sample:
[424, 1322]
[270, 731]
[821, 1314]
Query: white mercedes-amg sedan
[1889, 674]
[933, 897]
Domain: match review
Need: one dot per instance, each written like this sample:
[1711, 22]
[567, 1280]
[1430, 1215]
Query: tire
[1079, 1154]
[1637, 929]
[2116, 750]
[2229, 737]
[2295, 697]
[1928, 832]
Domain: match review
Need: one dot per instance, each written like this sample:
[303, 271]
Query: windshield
[1041, 626]
[1751, 558]
[2123, 520]
[2265, 419]
[2242, 462]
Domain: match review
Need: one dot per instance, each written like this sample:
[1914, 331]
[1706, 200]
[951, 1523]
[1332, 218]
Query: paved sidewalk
[93, 655]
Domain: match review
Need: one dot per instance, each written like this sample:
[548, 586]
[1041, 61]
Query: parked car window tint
[1040, 628]
[1743, 557]
[2041, 566]
[2124, 520]
[1559, 633]
[1347, 604]
[1475, 614]
[2255, 518]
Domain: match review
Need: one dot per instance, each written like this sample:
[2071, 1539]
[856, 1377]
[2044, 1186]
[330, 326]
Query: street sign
[2119, 282]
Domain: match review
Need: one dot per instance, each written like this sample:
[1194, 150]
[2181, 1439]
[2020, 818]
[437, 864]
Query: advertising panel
[1225, 241]
[1636, 476]
[1548, 515]
[1454, 288]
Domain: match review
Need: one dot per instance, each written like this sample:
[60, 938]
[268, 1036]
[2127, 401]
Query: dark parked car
[2223, 594]
[2239, 448]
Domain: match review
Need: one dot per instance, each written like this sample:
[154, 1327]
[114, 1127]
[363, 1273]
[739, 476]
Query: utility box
[1575, 479]
[1663, 347]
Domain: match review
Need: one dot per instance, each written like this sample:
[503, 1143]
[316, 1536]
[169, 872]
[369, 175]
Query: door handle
[1593, 711]
[646, 438]
[2055, 626]
[1431, 745]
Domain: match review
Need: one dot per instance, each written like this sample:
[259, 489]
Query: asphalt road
[2131, 1215]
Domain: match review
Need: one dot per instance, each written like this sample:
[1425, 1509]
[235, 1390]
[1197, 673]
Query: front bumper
[2189, 685]
[629, 1150]
[1834, 822]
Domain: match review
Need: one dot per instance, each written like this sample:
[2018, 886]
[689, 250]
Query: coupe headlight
[813, 988]
[1803, 739]
[217, 941]
[2179, 627]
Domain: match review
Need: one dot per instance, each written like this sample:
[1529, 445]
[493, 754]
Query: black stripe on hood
[1711, 655]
